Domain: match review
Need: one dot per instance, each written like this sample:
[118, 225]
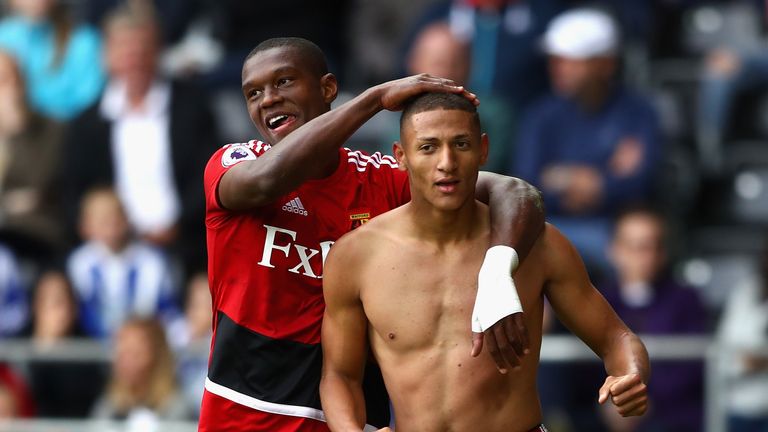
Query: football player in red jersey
[272, 214]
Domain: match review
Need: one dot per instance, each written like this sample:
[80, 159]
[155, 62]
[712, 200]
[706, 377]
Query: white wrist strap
[496, 293]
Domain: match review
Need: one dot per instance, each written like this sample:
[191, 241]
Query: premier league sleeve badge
[235, 154]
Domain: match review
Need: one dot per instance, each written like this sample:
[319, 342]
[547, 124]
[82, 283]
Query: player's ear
[484, 148]
[397, 150]
[329, 87]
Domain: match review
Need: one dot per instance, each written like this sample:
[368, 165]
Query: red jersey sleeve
[382, 170]
[401, 187]
[221, 161]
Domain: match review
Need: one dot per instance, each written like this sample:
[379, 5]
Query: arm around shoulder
[517, 219]
[517, 211]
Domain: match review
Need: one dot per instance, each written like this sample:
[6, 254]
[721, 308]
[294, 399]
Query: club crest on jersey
[359, 218]
[235, 154]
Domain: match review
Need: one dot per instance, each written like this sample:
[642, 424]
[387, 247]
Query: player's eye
[254, 93]
[284, 81]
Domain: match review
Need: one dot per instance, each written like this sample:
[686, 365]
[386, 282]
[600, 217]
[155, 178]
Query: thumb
[477, 344]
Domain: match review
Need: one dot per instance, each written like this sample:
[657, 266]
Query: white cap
[581, 34]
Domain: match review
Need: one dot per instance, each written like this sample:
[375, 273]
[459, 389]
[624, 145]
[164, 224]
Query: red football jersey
[265, 272]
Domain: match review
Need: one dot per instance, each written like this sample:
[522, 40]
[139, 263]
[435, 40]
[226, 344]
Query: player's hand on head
[394, 94]
[628, 393]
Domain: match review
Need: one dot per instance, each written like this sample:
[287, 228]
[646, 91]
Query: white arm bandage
[496, 293]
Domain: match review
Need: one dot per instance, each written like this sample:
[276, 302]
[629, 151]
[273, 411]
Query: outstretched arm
[517, 220]
[294, 160]
[345, 344]
[587, 314]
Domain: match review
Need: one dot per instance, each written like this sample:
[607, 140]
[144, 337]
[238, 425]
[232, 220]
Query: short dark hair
[640, 209]
[438, 101]
[132, 15]
[308, 51]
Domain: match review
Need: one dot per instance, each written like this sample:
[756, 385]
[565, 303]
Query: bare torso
[418, 298]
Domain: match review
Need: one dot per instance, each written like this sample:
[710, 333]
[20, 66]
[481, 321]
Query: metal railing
[554, 349]
[674, 348]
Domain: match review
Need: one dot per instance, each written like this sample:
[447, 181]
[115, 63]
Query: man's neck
[445, 227]
[594, 99]
[136, 94]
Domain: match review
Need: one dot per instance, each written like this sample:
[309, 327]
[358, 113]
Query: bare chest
[418, 300]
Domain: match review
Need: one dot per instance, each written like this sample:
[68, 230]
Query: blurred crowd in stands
[643, 122]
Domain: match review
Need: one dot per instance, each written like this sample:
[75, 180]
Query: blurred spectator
[14, 305]
[142, 389]
[148, 137]
[15, 399]
[54, 315]
[175, 15]
[591, 147]
[743, 334]
[185, 31]
[734, 71]
[60, 388]
[29, 157]
[438, 52]
[650, 302]
[197, 323]
[503, 38]
[376, 34]
[656, 27]
[115, 276]
[727, 75]
[60, 60]
[192, 339]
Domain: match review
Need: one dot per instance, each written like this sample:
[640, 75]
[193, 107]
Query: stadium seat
[719, 259]
[746, 167]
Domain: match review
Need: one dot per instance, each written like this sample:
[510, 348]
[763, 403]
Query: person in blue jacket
[593, 145]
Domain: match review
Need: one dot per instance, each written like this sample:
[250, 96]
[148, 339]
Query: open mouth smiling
[276, 121]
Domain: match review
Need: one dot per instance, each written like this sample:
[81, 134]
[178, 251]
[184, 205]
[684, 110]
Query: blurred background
[643, 122]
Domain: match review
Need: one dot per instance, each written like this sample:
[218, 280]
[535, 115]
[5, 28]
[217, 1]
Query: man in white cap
[592, 146]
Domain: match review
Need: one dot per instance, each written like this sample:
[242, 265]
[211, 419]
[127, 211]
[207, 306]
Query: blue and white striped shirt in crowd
[112, 287]
[14, 302]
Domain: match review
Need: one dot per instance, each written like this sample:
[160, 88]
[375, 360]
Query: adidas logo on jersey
[295, 206]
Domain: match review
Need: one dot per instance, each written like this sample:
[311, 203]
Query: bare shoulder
[359, 244]
[557, 254]
[553, 239]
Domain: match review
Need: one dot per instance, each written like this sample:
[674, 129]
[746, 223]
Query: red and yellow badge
[358, 218]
